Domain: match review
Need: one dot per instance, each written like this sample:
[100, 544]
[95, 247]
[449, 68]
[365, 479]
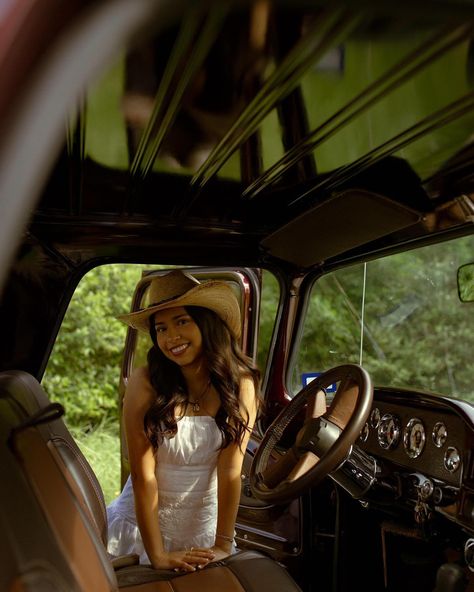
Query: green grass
[101, 447]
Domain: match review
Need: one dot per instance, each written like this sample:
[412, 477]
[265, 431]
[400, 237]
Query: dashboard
[412, 465]
[423, 447]
[417, 436]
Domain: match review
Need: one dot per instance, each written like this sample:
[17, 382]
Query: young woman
[188, 416]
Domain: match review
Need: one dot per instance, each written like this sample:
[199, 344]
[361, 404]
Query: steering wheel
[322, 443]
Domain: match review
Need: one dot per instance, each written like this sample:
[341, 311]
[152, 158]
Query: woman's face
[178, 336]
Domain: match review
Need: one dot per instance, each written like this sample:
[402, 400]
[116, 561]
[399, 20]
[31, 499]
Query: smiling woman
[188, 416]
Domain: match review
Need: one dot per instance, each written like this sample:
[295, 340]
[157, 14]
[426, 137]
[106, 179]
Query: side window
[399, 316]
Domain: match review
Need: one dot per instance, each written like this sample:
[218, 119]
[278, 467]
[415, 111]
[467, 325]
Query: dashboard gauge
[364, 434]
[388, 433]
[414, 437]
[375, 418]
[439, 434]
[452, 459]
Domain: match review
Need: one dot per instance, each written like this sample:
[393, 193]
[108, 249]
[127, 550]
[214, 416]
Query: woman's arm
[229, 467]
[139, 396]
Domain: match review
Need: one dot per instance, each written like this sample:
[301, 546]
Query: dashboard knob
[426, 489]
[469, 554]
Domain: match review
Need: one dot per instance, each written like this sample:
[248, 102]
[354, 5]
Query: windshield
[400, 317]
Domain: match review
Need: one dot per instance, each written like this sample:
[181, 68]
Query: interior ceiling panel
[257, 118]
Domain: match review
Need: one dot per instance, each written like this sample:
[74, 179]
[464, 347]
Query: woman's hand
[195, 558]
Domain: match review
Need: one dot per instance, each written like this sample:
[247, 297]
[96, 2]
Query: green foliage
[101, 447]
[84, 368]
[416, 332]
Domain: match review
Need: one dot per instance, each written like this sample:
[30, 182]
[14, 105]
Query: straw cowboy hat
[177, 288]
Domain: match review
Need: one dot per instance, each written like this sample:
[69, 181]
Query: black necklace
[196, 407]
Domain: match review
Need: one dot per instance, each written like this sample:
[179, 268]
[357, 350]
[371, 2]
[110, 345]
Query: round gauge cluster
[452, 459]
[389, 432]
[414, 437]
[439, 434]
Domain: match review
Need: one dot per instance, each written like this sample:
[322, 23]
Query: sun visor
[345, 221]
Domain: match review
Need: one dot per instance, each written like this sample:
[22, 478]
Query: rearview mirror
[466, 282]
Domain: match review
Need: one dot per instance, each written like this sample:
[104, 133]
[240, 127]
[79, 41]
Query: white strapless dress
[186, 470]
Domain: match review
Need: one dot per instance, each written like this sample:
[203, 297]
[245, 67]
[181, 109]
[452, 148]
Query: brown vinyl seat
[65, 498]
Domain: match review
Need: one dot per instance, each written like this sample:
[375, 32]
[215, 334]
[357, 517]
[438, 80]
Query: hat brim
[213, 294]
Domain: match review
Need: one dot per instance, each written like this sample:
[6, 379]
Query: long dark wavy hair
[227, 365]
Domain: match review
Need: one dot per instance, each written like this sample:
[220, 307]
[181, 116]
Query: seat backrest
[52, 542]
[27, 391]
[25, 534]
